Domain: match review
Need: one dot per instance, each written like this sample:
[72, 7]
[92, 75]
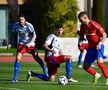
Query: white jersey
[25, 33]
[55, 44]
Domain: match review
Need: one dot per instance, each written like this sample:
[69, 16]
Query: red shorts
[83, 46]
[22, 49]
[52, 68]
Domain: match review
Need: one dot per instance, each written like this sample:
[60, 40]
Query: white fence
[70, 47]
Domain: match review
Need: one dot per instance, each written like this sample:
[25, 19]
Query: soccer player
[96, 36]
[82, 46]
[26, 42]
[55, 57]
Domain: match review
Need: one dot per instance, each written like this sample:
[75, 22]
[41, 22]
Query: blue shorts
[93, 53]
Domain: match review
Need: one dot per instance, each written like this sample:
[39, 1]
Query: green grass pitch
[85, 79]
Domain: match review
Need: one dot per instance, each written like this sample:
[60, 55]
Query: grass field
[6, 74]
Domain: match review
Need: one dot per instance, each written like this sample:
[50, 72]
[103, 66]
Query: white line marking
[8, 88]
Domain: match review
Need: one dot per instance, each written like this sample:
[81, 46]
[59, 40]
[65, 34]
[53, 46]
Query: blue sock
[80, 59]
[41, 76]
[43, 66]
[68, 68]
[16, 69]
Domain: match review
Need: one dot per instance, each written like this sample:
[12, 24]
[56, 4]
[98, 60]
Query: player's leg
[41, 76]
[68, 65]
[68, 59]
[101, 64]
[33, 50]
[103, 68]
[65, 58]
[52, 70]
[17, 67]
[34, 74]
[89, 59]
[69, 68]
[41, 63]
[89, 69]
[20, 51]
[80, 56]
[81, 47]
[80, 59]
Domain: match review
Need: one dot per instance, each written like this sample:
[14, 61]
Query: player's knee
[19, 55]
[86, 65]
[100, 60]
[35, 54]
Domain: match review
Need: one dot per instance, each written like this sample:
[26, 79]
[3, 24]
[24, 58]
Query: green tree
[60, 12]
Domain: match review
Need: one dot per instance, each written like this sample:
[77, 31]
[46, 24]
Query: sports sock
[104, 69]
[16, 69]
[68, 68]
[43, 66]
[80, 59]
[91, 71]
[41, 76]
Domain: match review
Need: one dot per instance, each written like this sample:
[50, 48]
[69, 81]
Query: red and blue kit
[93, 32]
[25, 34]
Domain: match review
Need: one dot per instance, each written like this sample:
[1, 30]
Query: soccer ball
[62, 80]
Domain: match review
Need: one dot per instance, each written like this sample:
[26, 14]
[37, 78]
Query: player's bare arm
[33, 39]
[104, 36]
[47, 48]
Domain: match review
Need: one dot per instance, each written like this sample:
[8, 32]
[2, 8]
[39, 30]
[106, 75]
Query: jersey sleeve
[31, 28]
[49, 39]
[98, 28]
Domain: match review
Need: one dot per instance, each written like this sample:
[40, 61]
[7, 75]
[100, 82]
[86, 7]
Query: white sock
[107, 79]
[97, 74]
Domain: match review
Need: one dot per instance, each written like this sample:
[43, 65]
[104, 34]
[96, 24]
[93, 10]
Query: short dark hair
[59, 26]
[21, 15]
[82, 14]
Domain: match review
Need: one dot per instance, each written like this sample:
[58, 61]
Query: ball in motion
[62, 80]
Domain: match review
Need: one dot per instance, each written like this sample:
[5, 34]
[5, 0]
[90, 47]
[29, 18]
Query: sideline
[8, 88]
[13, 54]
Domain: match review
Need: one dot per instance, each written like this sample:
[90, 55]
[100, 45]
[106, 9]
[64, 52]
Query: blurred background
[45, 14]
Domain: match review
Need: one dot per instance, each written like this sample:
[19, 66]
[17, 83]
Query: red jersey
[93, 32]
[83, 46]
